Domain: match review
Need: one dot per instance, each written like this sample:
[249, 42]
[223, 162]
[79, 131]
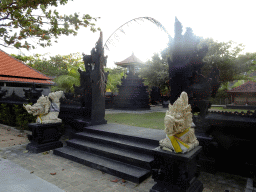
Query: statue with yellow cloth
[180, 137]
[46, 108]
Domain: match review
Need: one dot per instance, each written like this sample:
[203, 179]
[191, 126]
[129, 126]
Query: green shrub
[22, 117]
[6, 115]
[15, 115]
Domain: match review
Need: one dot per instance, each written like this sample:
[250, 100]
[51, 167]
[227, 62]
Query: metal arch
[157, 23]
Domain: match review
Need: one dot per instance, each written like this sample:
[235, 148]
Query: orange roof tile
[10, 68]
[248, 87]
[24, 80]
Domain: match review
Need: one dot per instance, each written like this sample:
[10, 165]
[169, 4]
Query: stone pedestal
[176, 172]
[44, 137]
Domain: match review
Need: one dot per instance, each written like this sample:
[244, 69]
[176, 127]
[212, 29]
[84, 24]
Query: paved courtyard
[71, 176]
[53, 173]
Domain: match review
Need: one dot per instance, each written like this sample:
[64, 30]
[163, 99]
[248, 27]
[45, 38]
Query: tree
[55, 66]
[155, 73]
[24, 19]
[222, 55]
[114, 78]
[64, 69]
[247, 63]
[65, 82]
[25, 59]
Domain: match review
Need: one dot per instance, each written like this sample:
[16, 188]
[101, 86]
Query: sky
[222, 20]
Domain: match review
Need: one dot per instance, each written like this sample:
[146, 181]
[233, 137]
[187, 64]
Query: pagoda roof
[248, 87]
[14, 70]
[132, 60]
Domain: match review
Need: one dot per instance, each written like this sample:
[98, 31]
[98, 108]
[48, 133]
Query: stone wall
[245, 99]
[19, 91]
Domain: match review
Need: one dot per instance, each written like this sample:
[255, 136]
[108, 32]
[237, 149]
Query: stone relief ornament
[180, 137]
[46, 108]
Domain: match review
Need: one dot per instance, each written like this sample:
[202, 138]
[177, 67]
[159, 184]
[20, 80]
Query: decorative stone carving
[2, 92]
[180, 137]
[46, 108]
[185, 71]
[32, 94]
[87, 106]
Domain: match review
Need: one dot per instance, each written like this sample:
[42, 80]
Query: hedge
[15, 116]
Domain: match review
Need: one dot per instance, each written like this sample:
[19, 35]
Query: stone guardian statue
[180, 137]
[46, 108]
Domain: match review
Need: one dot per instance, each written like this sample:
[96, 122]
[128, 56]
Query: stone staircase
[120, 150]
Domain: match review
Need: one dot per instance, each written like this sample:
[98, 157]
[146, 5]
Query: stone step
[113, 152]
[111, 144]
[110, 166]
[121, 142]
[140, 134]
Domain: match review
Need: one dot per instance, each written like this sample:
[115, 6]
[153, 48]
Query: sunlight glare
[143, 39]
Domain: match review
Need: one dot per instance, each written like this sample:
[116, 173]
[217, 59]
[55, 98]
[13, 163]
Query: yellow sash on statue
[175, 140]
[39, 119]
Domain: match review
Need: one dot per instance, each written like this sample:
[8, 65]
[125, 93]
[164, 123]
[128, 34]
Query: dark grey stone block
[39, 148]
[160, 187]
[44, 137]
[175, 171]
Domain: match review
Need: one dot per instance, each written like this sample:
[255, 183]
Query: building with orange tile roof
[16, 75]
[244, 94]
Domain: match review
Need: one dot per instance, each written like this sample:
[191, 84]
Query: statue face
[179, 116]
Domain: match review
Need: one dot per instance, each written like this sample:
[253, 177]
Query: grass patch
[149, 120]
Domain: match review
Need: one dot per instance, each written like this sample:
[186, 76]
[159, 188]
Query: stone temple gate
[87, 105]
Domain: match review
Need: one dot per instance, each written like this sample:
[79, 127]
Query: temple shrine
[133, 94]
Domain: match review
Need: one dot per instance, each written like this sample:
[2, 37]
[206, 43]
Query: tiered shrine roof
[132, 60]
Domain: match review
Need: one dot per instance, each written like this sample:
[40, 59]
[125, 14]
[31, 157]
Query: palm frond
[114, 36]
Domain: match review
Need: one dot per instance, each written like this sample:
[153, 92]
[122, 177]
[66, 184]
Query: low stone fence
[247, 107]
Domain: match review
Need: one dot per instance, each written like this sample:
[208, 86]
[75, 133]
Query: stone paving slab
[14, 178]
